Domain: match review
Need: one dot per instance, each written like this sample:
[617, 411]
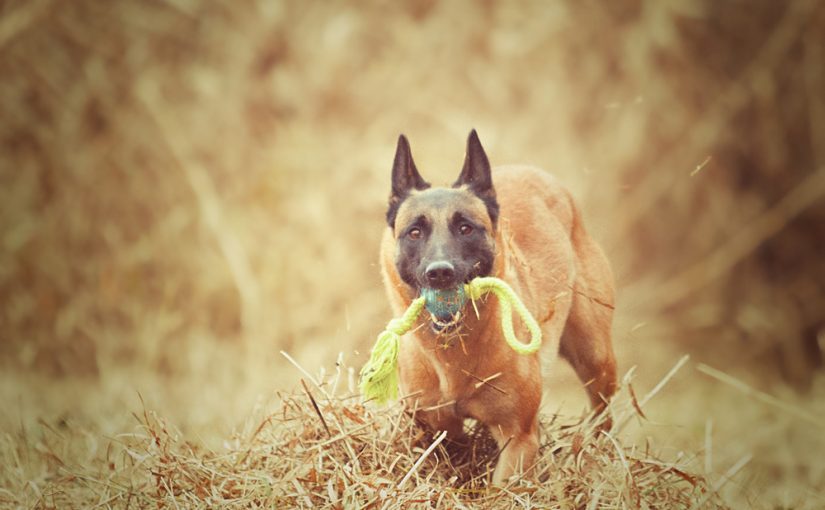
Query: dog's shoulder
[518, 187]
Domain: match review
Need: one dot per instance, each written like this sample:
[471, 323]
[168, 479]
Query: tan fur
[561, 274]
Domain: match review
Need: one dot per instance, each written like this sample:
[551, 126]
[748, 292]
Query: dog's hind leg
[586, 344]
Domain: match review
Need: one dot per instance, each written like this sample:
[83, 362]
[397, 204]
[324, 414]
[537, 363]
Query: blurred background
[188, 188]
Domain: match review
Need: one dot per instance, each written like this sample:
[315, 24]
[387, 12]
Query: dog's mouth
[441, 325]
[445, 307]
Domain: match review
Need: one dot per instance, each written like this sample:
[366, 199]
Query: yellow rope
[379, 376]
[508, 300]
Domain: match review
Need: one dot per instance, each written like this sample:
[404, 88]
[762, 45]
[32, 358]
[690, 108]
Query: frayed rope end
[379, 376]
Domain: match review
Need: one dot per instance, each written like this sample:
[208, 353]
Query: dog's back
[558, 268]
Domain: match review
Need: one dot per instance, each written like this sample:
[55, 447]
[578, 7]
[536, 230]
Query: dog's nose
[440, 274]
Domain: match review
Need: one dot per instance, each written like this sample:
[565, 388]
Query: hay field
[190, 188]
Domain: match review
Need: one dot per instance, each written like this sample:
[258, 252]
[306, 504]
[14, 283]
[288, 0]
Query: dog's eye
[465, 229]
[414, 234]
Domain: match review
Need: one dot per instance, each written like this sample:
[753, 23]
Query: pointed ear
[476, 175]
[405, 177]
[476, 171]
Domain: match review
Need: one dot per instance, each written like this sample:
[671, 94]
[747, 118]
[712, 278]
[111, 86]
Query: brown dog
[520, 225]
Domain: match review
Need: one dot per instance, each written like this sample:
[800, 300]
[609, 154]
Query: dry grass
[189, 187]
[311, 449]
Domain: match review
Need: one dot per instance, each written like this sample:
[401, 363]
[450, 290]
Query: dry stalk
[623, 421]
[761, 396]
[421, 459]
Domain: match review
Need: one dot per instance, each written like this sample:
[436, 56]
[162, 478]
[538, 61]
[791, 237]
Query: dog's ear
[476, 175]
[405, 177]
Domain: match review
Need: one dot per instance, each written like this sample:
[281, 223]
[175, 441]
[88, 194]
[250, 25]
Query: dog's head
[445, 237]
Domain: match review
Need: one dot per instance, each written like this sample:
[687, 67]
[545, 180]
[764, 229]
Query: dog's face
[445, 237]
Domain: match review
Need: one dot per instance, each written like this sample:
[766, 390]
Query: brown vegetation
[187, 188]
[303, 451]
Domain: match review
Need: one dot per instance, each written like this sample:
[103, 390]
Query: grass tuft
[313, 448]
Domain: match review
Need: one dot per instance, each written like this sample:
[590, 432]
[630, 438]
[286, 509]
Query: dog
[519, 224]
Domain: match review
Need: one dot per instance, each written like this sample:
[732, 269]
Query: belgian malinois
[519, 224]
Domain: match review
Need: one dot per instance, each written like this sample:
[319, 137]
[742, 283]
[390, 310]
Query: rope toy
[379, 377]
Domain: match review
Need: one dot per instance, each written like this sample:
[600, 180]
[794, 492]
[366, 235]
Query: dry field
[187, 189]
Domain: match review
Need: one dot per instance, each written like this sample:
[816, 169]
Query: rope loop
[508, 300]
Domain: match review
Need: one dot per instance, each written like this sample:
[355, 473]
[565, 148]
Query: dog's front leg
[512, 418]
[444, 419]
[519, 451]
[419, 378]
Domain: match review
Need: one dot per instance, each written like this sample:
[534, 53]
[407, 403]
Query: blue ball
[445, 303]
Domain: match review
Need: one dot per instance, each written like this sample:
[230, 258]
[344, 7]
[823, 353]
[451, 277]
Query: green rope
[508, 300]
[379, 377]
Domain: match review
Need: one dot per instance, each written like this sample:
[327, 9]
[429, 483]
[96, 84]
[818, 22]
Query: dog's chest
[454, 366]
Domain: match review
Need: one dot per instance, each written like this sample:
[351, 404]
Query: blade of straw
[656, 389]
[759, 395]
[722, 481]
[422, 457]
